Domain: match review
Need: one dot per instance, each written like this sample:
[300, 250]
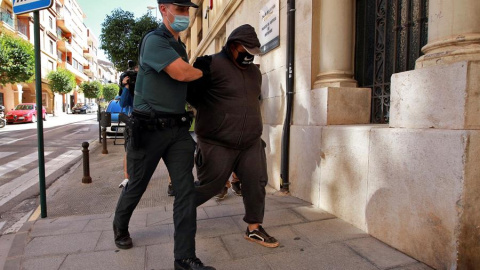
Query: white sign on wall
[269, 26]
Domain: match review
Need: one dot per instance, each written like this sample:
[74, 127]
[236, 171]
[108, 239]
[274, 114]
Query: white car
[93, 107]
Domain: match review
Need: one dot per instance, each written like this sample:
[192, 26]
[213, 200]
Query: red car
[25, 112]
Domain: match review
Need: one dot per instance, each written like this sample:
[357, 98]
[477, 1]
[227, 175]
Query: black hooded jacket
[227, 101]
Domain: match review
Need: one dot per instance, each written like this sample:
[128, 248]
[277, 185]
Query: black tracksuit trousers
[176, 147]
[216, 163]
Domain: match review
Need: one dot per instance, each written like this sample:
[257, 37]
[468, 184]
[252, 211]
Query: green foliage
[110, 91]
[17, 60]
[120, 36]
[91, 89]
[61, 81]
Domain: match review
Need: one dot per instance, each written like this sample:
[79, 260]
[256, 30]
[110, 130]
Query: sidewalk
[77, 234]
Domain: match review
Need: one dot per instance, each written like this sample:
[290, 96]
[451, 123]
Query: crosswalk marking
[6, 154]
[15, 187]
[6, 168]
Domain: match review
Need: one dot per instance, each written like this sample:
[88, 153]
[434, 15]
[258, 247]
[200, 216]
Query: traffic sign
[25, 6]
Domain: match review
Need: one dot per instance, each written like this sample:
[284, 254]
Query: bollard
[86, 164]
[99, 117]
[104, 140]
[99, 132]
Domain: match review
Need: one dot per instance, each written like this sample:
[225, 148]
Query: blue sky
[96, 11]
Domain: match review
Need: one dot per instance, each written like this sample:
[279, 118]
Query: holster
[133, 131]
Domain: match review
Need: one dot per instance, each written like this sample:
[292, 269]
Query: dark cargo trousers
[216, 163]
[176, 147]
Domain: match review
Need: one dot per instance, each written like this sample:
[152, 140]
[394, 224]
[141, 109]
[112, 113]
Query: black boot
[122, 238]
[191, 264]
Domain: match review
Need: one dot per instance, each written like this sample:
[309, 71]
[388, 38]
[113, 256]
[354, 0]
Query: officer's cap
[183, 3]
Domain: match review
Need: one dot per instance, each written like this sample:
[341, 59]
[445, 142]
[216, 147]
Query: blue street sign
[25, 6]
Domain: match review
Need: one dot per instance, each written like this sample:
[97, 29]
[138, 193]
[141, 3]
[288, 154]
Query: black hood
[246, 36]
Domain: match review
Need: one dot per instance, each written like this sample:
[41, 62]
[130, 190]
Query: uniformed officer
[159, 129]
[229, 126]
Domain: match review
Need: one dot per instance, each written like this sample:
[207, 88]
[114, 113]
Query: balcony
[87, 70]
[6, 18]
[63, 45]
[65, 24]
[80, 76]
[87, 53]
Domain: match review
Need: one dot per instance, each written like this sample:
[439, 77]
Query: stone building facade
[385, 130]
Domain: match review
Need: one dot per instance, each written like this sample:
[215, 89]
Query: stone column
[336, 43]
[335, 98]
[453, 32]
[20, 94]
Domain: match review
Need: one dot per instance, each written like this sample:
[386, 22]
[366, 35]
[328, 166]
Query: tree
[120, 36]
[17, 60]
[110, 91]
[91, 89]
[61, 81]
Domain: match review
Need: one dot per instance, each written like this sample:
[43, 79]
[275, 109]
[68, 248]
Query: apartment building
[107, 72]
[65, 42]
[385, 124]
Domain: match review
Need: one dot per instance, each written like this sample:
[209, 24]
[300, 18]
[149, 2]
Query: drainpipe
[284, 170]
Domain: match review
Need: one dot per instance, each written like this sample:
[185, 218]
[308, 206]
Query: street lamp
[150, 9]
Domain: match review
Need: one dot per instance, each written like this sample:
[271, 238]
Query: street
[19, 180]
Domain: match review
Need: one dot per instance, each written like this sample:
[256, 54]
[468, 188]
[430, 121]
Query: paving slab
[327, 231]
[380, 254]
[43, 263]
[160, 217]
[133, 259]
[415, 266]
[54, 227]
[212, 251]
[152, 235]
[225, 210]
[101, 224]
[216, 227]
[253, 263]
[18, 245]
[311, 213]
[328, 256]
[62, 244]
[159, 257]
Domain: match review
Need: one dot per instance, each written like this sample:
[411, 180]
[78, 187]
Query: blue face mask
[180, 22]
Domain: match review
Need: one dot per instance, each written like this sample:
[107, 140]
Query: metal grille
[389, 38]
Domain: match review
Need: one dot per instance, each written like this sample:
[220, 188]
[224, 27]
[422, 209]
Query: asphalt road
[19, 180]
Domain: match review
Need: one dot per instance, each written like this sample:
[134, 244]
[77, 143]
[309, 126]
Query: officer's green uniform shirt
[154, 88]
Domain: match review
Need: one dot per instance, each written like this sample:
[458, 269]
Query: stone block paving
[78, 231]
[310, 239]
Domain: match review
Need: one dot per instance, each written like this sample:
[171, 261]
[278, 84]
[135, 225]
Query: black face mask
[244, 59]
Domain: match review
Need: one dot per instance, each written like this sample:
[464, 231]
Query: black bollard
[104, 140]
[86, 164]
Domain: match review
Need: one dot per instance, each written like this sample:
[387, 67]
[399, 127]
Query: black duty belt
[162, 120]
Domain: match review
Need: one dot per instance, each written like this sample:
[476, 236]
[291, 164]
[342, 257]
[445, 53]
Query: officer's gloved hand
[203, 63]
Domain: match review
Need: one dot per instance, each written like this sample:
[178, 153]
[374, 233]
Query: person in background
[126, 102]
[234, 184]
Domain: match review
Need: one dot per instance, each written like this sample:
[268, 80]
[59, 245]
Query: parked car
[81, 108]
[93, 107]
[25, 112]
[114, 108]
